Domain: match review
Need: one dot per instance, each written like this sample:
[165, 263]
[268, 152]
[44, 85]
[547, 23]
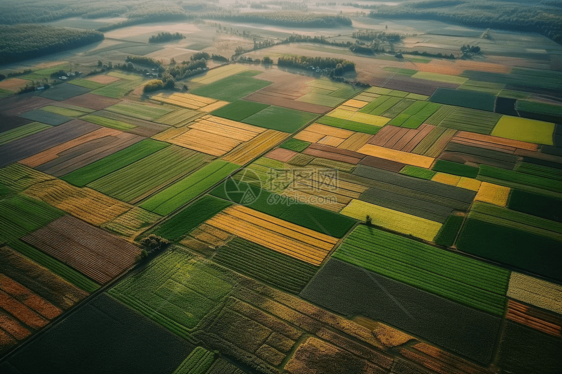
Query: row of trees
[545, 20]
[20, 42]
[163, 37]
[371, 35]
[187, 69]
[145, 61]
[303, 62]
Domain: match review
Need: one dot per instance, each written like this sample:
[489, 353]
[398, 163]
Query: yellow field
[209, 108]
[493, 194]
[398, 156]
[212, 135]
[367, 96]
[368, 119]
[393, 220]
[536, 292]
[469, 184]
[18, 177]
[132, 222]
[220, 73]
[355, 103]
[188, 101]
[355, 141]
[180, 117]
[209, 235]
[328, 135]
[525, 130]
[250, 150]
[274, 233]
[449, 179]
[84, 203]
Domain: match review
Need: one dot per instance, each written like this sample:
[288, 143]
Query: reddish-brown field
[92, 101]
[30, 297]
[17, 105]
[89, 250]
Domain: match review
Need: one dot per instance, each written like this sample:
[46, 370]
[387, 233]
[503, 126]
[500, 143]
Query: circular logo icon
[243, 187]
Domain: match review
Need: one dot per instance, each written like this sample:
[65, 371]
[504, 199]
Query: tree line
[303, 62]
[20, 42]
[545, 20]
[283, 18]
[163, 37]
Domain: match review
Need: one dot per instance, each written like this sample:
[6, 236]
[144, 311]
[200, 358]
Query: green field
[86, 83]
[455, 169]
[542, 108]
[107, 122]
[417, 172]
[111, 163]
[266, 265]
[320, 98]
[535, 204]
[239, 110]
[198, 362]
[20, 215]
[190, 217]
[539, 170]
[64, 111]
[465, 119]
[174, 291]
[459, 278]
[295, 145]
[280, 119]
[467, 99]
[440, 115]
[318, 219]
[46, 73]
[118, 89]
[407, 72]
[521, 221]
[138, 110]
[22, 132]
[180, 193]
[449, 231]
[511, 246]
[500, 176]
[349, 125]
[140, 179]
[231, 88]
[415, 115]
[487, 87]
[401, 106]
[443, 78]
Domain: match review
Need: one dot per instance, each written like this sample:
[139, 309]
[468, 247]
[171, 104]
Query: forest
[525, 17]
[149, 14]
[284, 18]
[20, 42]
[37, 11]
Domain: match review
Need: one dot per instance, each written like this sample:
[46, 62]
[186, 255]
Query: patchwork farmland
[255, 217]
